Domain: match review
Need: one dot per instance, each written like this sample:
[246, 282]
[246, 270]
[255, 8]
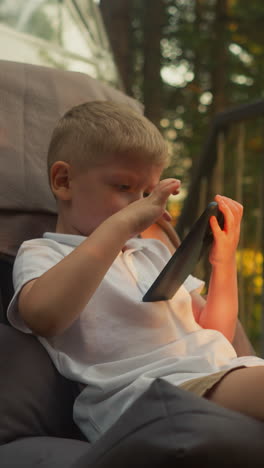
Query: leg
[241, 390]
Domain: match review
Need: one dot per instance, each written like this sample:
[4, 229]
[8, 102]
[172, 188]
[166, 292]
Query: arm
[240, 342]
[221, 308]
[159, 231]
[71, 283]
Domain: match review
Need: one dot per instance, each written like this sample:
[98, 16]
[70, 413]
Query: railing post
[240, 152]
[218, 173]
[262, 250]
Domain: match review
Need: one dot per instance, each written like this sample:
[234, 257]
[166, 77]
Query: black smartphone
[183, 261]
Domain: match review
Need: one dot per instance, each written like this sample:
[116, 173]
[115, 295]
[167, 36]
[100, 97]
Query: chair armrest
[241, 342]
[165, 232]
[35, 400]
[47, 452]
[167, 427]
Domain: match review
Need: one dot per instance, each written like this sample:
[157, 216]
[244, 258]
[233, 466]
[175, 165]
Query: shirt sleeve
[33, 259]
[193, 284]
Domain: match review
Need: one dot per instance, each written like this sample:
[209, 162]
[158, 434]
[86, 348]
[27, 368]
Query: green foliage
[31, 18]
[194, 33]
[39, 25]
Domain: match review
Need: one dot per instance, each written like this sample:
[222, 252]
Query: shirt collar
[69, 239]
[74, 240]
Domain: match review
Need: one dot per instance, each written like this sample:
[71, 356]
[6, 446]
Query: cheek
[120, 201]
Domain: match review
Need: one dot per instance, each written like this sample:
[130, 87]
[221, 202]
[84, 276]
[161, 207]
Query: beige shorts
[202, 385]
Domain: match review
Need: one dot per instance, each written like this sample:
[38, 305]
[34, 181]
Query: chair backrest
[32, 99]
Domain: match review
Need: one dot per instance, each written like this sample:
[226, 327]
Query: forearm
[221, 309]
[57, 297]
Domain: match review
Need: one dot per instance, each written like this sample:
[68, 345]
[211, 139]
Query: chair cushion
[34, 399]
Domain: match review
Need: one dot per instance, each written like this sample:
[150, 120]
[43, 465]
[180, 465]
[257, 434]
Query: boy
[80, 289]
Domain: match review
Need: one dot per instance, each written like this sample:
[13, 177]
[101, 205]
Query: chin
[84, 231]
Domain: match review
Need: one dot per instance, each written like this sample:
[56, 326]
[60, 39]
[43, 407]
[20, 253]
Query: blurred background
[197, 66]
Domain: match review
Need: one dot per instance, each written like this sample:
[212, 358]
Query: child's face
[101, 191]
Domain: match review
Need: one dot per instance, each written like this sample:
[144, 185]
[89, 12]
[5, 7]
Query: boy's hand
[142, 213]
[226, 240]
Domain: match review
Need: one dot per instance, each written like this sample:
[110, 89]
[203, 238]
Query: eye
[146, 194]
[123, 187]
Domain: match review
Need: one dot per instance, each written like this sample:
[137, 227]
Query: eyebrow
[122, 173]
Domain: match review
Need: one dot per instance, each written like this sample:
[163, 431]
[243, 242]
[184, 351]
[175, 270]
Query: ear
[60, 180]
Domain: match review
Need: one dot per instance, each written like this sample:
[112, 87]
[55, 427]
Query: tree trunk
[117, 19]
[152, 34]
[219, 76]
[220, 57]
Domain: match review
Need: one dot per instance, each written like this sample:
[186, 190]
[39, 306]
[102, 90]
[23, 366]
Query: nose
[138, 195]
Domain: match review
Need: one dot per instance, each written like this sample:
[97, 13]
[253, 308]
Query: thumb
[214, 225]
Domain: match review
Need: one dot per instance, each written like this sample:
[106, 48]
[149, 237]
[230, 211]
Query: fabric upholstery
[6, 285]
[42, 452]
[169, 427]
[34, 399]
[32, 99]
[165, 427]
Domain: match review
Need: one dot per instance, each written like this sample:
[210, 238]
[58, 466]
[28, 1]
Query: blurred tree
[135, 33]
[153, 22]
[186, 61]
[117, 17]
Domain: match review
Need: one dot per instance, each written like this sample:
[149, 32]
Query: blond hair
[90, 132]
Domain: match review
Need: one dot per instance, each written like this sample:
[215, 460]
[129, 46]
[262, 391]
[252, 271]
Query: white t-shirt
[119, 344]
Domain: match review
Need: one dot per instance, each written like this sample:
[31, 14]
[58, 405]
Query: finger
[237, 212]
[231, 200]
[235, 206]
[227, 212]
[166, 188]
[165, 183]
